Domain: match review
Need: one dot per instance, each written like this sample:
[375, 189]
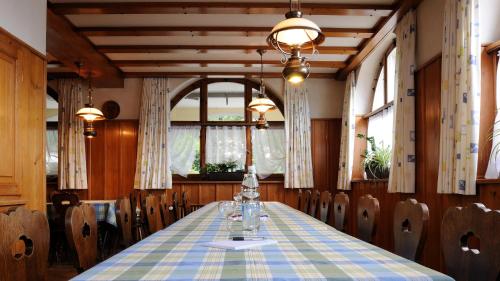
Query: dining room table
[306, 249]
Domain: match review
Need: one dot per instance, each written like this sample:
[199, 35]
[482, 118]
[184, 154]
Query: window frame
[383, 66]
[202, 84]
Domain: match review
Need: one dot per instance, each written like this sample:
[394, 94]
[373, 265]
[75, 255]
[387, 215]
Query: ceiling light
[262, 103]
[262, 122]
[296, 69]
[89, 131]
[89, 112]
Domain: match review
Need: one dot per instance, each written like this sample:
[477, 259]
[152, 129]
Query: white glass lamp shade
[89, 113]
[296, 32]
[261, 104]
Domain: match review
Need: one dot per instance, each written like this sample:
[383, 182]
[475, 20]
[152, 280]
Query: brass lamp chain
[90, 88]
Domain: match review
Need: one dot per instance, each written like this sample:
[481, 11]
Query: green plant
[376, 160]
[224, 167]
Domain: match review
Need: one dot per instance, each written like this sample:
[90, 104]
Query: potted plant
[377, 160]
[223, 171]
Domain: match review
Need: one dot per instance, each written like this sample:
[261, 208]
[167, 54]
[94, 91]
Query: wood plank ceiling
[209, 38]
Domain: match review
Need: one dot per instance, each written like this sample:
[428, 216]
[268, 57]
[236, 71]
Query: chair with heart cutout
[81, 232]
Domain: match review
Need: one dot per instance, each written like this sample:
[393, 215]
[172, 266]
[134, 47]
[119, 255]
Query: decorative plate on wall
[111, 109]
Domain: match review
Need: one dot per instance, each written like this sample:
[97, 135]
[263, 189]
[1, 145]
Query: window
[51, 151]
[210, 124]
[380, 119]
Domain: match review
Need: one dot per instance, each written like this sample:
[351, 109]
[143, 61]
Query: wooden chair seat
[471, 247]
[410, 228]
[24, 245]
[124, 219]
[340, 210]
[81, 231]
[368, 212]
[324, 206]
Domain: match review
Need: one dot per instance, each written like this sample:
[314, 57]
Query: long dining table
[307, 249]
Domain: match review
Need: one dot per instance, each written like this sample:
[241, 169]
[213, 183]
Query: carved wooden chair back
[164, 211]
[195, 207]
[313, 209]
[183, 208]
[61, 201]
[306, 202]
[469, 237]
[24, 245]
[340, 211]
[410, 228]
[124, 219]
[367, 216]
[324, 206]
[175, 206]
[81, 231]
[153, 213]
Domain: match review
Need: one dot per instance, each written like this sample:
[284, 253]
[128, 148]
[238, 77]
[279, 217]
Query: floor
[61, 272]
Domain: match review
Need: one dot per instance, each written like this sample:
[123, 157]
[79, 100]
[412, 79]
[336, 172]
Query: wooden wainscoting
[111, 161]
[22, 124]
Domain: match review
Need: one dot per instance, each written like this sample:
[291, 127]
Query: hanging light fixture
[89, 113]
[262, 103]
[290, 37]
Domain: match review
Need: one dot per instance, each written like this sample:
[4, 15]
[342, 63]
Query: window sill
[198, 179]
[369, 180]
[483, 181]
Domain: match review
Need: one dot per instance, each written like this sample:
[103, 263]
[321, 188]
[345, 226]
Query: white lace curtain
[153, 159]
[493, 171]
[347, 136]
[268, 148]
[402, 174]
[460, 98]
[72, 162]
[298, 165]
[380, 127]
[51, 153]
[185, 142]
[226, 143]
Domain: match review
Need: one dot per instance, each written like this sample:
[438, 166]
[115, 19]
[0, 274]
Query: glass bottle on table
[250, 205]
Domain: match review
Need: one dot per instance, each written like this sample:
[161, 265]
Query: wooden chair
[124, 220]
[153, 213]
[195, 207]
[24, 245]
[61, 201]
[306, 202]
[410, 228]
[183, 208]
[324, 206]
[299, 199]
[367, 215]
[164, 210]
[461, 228]
[340, 211]
[81, 231]
[175, 207]
[313, 209]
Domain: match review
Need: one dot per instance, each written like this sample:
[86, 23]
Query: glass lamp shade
[261, 104]
[296, 70]
[89, 131]
[90, 113]
[295, 32]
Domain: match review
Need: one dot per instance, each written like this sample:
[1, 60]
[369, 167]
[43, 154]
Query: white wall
[325, 95]
[27, 20]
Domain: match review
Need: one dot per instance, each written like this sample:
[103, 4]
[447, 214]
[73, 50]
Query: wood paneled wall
[111, 160]
[22, 124]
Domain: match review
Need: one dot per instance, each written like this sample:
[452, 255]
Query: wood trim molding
[24, 44]
[175, 62]
[204, 74]
[219, 8]
[495, 46]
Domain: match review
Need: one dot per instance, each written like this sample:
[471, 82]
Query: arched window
[210, 125]
[380, 119]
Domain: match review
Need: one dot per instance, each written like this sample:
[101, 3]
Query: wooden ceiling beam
[211, 74]
[70, 48]
[219, 8]
[170, 48]
[168, 30]
[388, 26]
[121, 63]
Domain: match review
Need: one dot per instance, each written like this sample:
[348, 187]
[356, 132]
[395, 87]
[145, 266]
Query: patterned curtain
[298, 162]
[72, 162]
[460, 98]
[493, 171]
[347, 136]
[153, 160]
[402, 175]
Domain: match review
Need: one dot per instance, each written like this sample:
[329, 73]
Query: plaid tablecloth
[307, 249]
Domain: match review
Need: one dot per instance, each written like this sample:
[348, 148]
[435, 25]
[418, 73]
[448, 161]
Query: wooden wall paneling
[359, 147]
[112, 159]
[225, 192]
[128, 155]
[291, 197]
[207, 193]
[275, 192]
[22, 122]
[96, 163]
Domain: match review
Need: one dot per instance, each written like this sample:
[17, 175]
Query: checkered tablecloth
[307, 249]
[104, 211]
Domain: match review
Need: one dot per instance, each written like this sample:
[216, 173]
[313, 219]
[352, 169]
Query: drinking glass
[226, 208]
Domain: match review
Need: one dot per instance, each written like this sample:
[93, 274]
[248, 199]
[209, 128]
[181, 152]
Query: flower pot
[224, 176]
[377, 174]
